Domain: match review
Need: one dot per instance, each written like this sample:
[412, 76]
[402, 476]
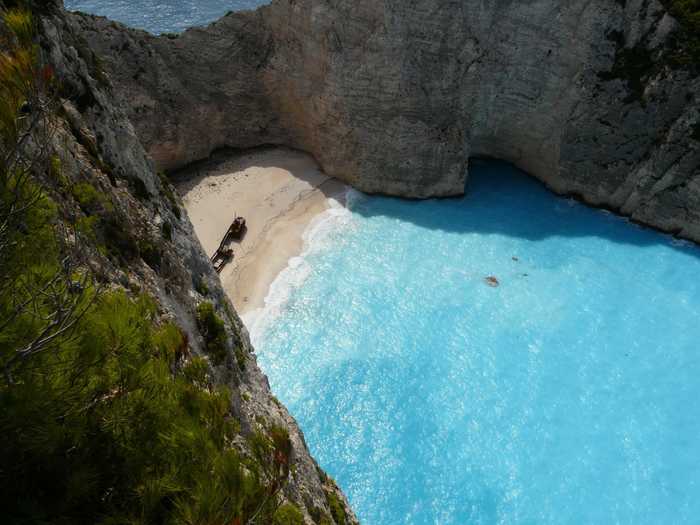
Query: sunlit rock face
[394, 97]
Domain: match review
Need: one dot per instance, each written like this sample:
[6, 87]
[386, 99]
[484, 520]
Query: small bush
[104, 414]
[21, 24]
[55, 167]
[120, 243]
[201, 286]
[288, 514]
[151, 254]
[196, 371]
[337, 508]
[167, 190]
[687, 12]
[86, 227]
[240, 357]
[91, 200]
[167, 231]
[213, 331]
[695, 133]
[139, 188]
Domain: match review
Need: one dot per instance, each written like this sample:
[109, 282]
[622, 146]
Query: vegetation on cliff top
[687, 12]
[106, 415]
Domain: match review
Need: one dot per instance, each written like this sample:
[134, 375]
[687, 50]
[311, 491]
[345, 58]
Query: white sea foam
[317, 236]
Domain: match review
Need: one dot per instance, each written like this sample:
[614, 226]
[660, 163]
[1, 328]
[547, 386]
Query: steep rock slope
[98, 146]
[394, 97]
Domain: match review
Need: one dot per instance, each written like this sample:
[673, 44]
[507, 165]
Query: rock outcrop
[98, 145]
[394, 97]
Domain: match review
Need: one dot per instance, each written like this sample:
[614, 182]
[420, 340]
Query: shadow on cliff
[500, 199]
[503, 200]
[225, 161]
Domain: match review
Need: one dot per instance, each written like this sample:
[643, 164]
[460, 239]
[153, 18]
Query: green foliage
[337, 508]
[201, 286]
[240, 357]
[687, 12]
[151, 253]
[167, 231]
[288, 514]
[634, 66]
[102, 430]
[119, 242]
[213, 331]
[638, 64]
[91, 200]
[109, 420]
[55, 171]
[168, 191]
[20, 22]
[695, 133]
[17, 71]
[139, 188]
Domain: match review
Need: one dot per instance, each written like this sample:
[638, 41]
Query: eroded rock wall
[394, 97]
[97, 145]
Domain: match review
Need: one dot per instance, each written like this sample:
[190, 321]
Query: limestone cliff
[394, 97]
[154, 248]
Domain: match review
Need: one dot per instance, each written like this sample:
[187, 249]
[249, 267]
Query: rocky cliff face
[390, 96]
[99, 146]
[394, 97]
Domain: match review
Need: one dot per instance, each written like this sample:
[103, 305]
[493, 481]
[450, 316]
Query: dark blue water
[568, 394]
[162, 16]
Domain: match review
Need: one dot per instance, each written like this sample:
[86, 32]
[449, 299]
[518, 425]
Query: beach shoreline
[279, 191]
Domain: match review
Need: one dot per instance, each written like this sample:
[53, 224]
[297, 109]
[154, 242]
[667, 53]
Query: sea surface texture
[568, 393]
[162, 16]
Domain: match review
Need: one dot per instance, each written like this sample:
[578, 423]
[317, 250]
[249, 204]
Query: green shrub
[337, 508]
[167, 231]
[86, 227]
[288, 514]
[91, 200]
[110, 433]
[240, 357]
[109, 421]
[695, 133]
[196, 371]
[167, 190]
[139, 188]
[213, 331]
[687, 52]
[55, 167]
[201, 286]
[151, 253]
[119, 242]
[21, 24]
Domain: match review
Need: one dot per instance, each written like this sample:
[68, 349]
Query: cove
[567, 394]
[162, 16]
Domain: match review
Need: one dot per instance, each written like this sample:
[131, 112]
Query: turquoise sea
[569, 393]
[162, 16]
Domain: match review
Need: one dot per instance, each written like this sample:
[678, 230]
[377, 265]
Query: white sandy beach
[279, 191]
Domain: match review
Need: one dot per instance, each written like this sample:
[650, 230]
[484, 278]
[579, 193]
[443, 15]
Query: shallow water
[162, 16]
[567, 394]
